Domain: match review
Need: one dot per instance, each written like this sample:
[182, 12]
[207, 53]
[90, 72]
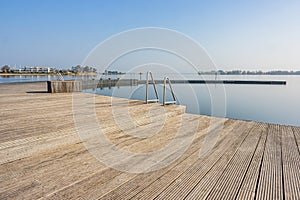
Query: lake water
[30, 78]
[278, 104]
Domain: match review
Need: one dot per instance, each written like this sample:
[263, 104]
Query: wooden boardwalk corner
[42, 155]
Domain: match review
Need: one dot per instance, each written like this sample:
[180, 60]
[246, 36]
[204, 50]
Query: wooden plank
[231, 178]
[249, 184]
[170, 178]
[182, 186]
[159, 179]
[122, 178]
[270, 184]
[207, 183]
[291, 163]
[296, 131]
[162, 183]
[50, 175]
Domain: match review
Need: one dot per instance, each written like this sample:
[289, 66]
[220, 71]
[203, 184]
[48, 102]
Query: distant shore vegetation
[87, 70]
[75, 70]
[47, 70]
[243, 72]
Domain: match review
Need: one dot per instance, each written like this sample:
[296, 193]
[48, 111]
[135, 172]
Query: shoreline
[45, 74]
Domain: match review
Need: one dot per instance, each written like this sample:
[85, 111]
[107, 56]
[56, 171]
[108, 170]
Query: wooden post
[64, 86]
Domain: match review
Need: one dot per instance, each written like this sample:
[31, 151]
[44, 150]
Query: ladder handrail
[165, 90]
[59, 76]
[100, 83]
[147, 85]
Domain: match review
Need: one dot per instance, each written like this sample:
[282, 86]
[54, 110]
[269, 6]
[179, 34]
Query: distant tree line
[82, 69]
[87, 69]
[76, 69]
[243, 72]
[5, 69]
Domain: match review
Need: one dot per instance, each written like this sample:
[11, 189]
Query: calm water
[278, 104]
[30, 78]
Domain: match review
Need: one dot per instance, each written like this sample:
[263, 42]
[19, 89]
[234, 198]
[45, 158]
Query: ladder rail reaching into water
[100, 83]
[147, 88]
[59, 77]
[165, 92]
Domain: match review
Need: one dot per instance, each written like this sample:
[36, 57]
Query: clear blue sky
[238, 34]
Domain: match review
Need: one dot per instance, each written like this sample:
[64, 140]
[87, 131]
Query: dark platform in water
[103, 83]
[265, 82]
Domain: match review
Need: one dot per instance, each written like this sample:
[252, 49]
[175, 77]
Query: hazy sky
[238, 34]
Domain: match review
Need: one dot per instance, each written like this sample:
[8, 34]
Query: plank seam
[260, 137]
[282, 171]
[260, 167]
[225, 166]
[296, 140]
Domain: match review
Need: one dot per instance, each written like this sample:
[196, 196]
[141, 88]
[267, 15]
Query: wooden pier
[43, 157]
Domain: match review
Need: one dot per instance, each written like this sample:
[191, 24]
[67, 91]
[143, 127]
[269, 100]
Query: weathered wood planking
[230, 181]
[64, 86]
[271, 181]
[42, 155]
[247, 190]
[291, 164]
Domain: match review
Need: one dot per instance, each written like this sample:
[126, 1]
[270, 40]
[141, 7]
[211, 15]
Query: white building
[28, 69]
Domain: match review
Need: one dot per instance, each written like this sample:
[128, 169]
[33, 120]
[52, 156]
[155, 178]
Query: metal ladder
[100, 83]
[59, 77]
[165, 92]
[147, 88]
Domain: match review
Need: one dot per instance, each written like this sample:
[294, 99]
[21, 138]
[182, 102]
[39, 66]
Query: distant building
[28, 69]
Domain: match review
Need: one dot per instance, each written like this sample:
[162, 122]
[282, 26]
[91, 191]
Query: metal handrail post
[165, 91]
[59, 77]
[172, 92]
[154, 85]
[147, 87]
[147, 83]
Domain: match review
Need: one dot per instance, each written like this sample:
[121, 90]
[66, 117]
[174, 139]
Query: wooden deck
[43, 156]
